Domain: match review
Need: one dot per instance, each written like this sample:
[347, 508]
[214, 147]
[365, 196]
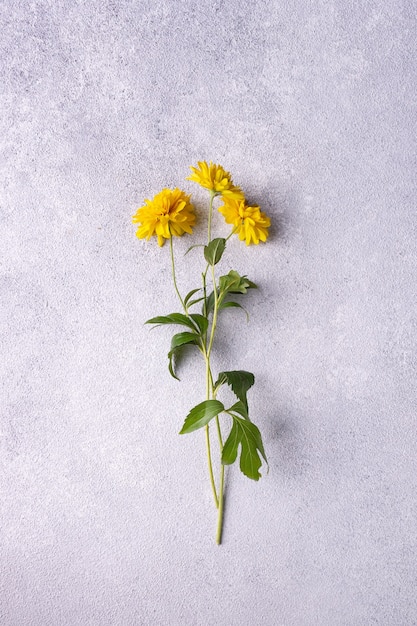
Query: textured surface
[106, 516]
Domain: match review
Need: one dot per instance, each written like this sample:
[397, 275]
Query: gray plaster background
[106, 513]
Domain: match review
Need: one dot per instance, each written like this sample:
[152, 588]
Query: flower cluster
[170, 212]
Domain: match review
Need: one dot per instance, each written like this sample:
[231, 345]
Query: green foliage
[234, 283]
[200, 321]
[240, 382]
[197, 323]
[178, 341]
[190, 294]
[213, 252]
[247, 435]
[241, 408]
[172, 318]
[210, 302]
[195, 301]
[200, 415]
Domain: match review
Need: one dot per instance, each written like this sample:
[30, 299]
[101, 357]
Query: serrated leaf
[241, 408]
[200, 321]
[178, 341]
[234, 283]
[200, 415]
[251, 442]
[230, 281]
[172, 318]
[248, 436]
[190, 295]
[239, 380]
[230, 305]
[229, 452]
[213, 252]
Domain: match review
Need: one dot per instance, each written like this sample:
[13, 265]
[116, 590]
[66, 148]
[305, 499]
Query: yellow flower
[215, 178]
[168, 213]
[250, 223]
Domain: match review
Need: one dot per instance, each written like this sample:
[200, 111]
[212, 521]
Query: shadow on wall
[283, 437]
[281, 206]
[285, 447]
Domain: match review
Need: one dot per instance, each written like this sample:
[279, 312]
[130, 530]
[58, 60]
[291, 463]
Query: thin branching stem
[209, 349]
[212, 196]
[208, 446]
[208, 377]
[171, 247]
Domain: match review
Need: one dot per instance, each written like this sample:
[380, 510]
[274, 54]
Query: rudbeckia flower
[168, 213]
[216, 179]
[250, 223]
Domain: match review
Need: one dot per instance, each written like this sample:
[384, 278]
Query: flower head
[250, 223]
[216, 179]
[168, 213]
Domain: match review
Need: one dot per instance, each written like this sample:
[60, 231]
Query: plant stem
[232, 233]
[219, 433]
[216, 301]
[208, 376]
[221, 504]
[171, 247]
[210, 465]
[212, 196]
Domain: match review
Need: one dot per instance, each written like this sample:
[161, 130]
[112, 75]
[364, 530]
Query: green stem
[219, 433]
[208, 345]
[210, 465]
[171, 247]
[216, 300]
[213, 194]
[221, 505]
[232, 233]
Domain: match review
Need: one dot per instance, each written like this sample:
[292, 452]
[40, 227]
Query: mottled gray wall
[106, 513]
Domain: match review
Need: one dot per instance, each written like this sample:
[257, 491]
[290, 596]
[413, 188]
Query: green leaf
[178, 341]
[171, 355]
[181, 339]
[194, 301]
[210, 302]
[200, 321]
[213, 252]
[200, 415]
[239, 380]
[190, 295]
[229, 452]
[229, 305]
[172, 318]
[248, 436]
[241, 408]
[234, 283]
